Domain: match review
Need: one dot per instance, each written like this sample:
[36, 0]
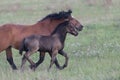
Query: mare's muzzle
[79, 28]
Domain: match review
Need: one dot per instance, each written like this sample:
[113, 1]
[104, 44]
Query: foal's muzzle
[75, 32]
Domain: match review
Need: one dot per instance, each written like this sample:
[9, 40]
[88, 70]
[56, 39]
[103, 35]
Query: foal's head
[65, 27]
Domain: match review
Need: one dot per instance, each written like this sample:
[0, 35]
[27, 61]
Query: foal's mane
[60, 26]
[57, 16]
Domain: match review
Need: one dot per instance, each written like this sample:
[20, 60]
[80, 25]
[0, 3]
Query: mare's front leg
[41, 59]
[10, 58]
[66, 58]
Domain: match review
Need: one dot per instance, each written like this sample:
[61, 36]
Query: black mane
[60, 27]
[57, 16]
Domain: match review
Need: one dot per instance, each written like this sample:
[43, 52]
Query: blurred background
[86, 10]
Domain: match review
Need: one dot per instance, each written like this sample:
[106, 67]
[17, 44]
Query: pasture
[93, 55]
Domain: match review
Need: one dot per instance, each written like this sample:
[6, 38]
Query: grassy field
[93, 55]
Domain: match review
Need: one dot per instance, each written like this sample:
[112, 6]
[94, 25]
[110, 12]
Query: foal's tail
[22, 47]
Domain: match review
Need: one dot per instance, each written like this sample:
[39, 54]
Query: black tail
[22, 47]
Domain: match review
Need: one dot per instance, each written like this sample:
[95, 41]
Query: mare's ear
[69, 11]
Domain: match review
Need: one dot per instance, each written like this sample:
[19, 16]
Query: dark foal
[52, 44]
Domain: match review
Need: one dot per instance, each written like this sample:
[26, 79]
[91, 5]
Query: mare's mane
[57, 16]
[60, 27]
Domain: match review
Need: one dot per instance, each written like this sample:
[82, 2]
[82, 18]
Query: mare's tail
[22, 47]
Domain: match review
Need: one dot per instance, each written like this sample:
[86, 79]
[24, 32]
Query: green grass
[93, 55]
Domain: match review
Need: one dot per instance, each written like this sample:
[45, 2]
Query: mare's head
[52, 20]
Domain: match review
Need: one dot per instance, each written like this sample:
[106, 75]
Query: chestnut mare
[11, 35]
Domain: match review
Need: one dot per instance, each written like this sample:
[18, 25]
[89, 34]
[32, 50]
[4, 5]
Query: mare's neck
[47, 25]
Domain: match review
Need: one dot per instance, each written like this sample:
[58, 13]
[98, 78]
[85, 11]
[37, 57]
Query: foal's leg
[66, 58]
[10, 58]
[56, 61]
[41, 59]
[29, 60]
[54, 53]
[26, 57]
[23, 60]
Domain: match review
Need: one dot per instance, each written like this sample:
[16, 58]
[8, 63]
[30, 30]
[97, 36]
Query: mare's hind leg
[66, 58]
[41, 59]
[10, 58]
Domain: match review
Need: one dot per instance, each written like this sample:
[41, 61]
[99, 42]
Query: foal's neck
[62, 36]
[60, 33]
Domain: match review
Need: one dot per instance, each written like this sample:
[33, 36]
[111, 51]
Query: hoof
[64, 65]
[60, 68]
[14, 68]
[32, 67]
